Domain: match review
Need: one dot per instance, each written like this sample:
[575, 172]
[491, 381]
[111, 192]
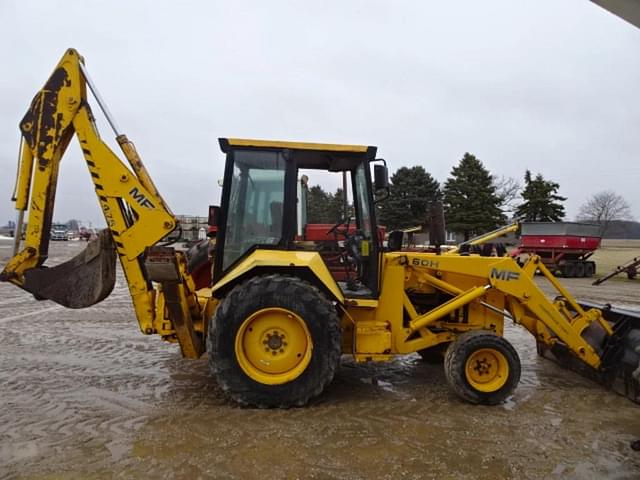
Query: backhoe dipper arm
[136, 215]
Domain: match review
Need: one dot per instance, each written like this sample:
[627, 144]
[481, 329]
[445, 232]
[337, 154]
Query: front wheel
[482, 368]
[274, 341]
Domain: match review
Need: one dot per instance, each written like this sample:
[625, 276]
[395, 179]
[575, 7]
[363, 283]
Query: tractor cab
[264, 207]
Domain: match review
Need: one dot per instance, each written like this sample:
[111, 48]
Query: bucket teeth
[86, 279]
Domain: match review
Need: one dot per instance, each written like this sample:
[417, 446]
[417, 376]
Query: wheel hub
[487, 370]
[275, 341]
[273, 346]
[483, 367]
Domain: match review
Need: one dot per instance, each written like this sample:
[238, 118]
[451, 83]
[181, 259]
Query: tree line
[474, 200]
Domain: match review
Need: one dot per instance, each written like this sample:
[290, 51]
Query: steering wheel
[351, 242]
[350, 251]
[346, 222]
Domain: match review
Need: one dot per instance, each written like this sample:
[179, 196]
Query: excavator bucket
[620, 352]
[86, 279]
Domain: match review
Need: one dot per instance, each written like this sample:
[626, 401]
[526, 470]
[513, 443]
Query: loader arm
[487, 237]
[599, 341]
[135, 213]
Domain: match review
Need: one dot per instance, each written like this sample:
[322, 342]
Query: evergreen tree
[323, 207]
[412, 190]
[317, 201]
[335, 208]
[472, 205]
[541, 200]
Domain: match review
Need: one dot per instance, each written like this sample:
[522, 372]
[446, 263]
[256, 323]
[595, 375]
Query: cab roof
[319, 156]
[227, 144]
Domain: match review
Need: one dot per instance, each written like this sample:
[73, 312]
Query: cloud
[547, 86]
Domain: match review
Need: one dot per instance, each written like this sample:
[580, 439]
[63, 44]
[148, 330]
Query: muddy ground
[84, 395]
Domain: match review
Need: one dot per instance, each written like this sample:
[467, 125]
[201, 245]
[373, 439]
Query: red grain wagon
[329, 249]
[564, 247]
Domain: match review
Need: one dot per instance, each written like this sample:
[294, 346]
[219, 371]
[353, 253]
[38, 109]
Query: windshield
[256, 201]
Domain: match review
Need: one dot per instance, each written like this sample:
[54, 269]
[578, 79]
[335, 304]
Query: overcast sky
[550, 86]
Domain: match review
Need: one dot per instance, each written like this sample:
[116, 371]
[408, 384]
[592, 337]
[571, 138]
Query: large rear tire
[482, 368]
[274, 341]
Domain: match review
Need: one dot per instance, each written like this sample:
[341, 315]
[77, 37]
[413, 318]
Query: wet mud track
[83, 394]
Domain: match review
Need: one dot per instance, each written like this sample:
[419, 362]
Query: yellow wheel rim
[273, 346]
[487, 370]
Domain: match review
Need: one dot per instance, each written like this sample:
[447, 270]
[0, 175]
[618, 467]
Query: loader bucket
[86, 279]
[620, 353]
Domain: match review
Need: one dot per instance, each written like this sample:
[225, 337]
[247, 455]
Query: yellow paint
[487, 370]
[23, 184]
[364, 303]
[487, 237]
[283, 259]
[273, 346]
[364, 248]
[240, 142]
[373, 337]
[454, 304]
[480, 289]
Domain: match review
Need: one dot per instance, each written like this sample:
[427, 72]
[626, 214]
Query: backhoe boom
[136, 215]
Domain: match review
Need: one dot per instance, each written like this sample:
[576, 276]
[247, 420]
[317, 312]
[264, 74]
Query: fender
[284, 261]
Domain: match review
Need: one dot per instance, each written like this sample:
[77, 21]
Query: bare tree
[603, 208]
[508, 190]
[73, 225]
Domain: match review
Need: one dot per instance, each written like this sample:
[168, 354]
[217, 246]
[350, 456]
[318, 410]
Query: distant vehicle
[85, 234]
[59, 233]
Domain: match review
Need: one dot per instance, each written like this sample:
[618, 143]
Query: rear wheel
[580, 269]
[482, 368]
[569, 270]
[274, 341]
[589, 269]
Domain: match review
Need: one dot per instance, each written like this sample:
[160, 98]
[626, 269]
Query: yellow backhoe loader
[273, 317]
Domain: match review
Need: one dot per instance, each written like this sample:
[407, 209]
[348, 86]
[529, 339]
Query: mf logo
[140, 198]
[505, 275]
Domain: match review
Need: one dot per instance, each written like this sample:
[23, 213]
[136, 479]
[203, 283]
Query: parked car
[59, 235]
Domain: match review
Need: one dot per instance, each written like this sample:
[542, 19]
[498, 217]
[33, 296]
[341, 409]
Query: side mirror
[214, 215]
[380, 177]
